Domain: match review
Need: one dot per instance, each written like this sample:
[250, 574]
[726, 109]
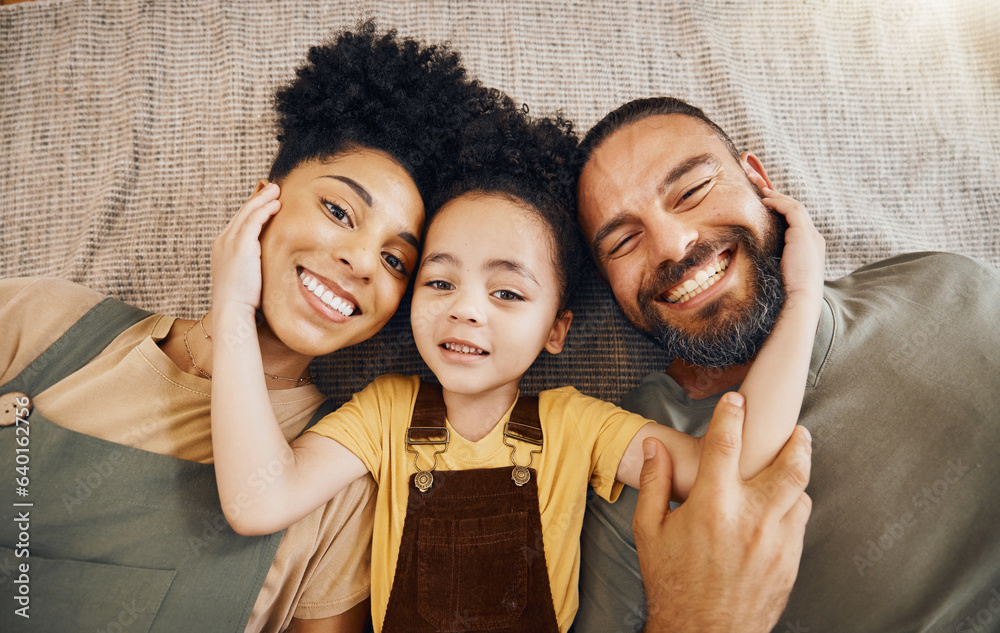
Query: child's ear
[560, 328]
[263, 182]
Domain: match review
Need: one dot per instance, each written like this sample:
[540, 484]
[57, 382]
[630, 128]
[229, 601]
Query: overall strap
[525, 425]
[429, 411]
[427, 428]
[84, 340]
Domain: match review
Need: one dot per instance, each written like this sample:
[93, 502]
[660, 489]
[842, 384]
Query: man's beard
[726, 338]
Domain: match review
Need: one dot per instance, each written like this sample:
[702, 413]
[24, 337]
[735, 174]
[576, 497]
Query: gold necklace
[304, 381]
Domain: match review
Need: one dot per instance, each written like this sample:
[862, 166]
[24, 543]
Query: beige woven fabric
[129, 132]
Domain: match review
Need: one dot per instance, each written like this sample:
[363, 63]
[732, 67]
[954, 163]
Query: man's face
[681, 235]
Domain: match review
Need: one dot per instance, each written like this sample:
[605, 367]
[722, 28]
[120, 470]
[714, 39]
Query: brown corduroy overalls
[471, 556]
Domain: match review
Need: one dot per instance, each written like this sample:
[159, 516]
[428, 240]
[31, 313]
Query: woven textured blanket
[131, 131]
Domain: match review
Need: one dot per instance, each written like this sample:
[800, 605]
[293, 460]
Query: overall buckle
[426, 436]
[524, 433]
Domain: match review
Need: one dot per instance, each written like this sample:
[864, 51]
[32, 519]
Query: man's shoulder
[927, 279]
[940, 264]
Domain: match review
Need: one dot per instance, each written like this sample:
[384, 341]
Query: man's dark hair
[533, 163]
[639, 109]
[381, 92]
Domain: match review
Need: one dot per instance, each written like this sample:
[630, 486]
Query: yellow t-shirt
[585, 439]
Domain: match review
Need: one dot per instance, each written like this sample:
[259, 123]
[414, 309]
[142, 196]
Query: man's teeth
[325, 295]
[702, 279]
[463, 349]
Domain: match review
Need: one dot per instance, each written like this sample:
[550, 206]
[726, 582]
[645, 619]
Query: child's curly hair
[531, 161]
[382, 92]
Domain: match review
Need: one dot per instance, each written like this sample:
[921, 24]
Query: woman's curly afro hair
[382, 92]
[530, 161]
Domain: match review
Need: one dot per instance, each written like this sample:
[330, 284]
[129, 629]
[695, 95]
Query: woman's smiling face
[338, 256]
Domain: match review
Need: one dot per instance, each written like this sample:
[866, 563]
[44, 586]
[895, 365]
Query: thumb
[655, 484]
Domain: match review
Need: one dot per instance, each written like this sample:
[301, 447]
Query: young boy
[481, 493]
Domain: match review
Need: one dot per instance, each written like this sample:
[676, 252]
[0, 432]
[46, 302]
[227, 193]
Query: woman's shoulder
[47, 293]
[35, 312]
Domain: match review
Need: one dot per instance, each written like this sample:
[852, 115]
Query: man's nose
[670, 238]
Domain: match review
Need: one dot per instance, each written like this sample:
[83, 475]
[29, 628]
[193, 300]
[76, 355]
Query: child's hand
[805, 249]
[236, 253]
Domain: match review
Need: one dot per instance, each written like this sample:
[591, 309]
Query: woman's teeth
[325, 295]
[702, 279]
[463, 349]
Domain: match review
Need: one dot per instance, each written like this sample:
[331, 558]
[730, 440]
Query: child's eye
[395, 263]
[439, 285]
[507, 295]
[339, 213]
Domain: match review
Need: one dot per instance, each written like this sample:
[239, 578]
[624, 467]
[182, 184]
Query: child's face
[486, 296]
[350, 225]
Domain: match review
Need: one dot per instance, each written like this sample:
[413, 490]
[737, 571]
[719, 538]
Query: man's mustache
[668, 274]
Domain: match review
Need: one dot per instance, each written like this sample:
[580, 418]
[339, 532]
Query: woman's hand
[236, 267]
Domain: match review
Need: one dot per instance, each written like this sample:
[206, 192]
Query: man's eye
[395, 263]
[507, 295]
[338, 212]
[693, 190]
[620, 245]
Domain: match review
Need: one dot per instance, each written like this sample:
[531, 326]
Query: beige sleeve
[35, 313]
[342, 576]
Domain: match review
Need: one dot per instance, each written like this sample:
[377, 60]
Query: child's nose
[467, 308]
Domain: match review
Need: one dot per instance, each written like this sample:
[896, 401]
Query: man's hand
[724, 561]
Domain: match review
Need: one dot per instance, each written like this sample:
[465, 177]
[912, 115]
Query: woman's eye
[395, 263]
[338, 213]
[439, 285]
[507, 295]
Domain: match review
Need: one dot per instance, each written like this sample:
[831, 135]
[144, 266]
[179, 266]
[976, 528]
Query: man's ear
[560, 328]
[755, 170]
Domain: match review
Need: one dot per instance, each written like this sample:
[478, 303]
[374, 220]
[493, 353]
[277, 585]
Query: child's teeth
[463, 349]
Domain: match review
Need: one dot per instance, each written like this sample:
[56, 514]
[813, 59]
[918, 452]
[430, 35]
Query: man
[901, 398]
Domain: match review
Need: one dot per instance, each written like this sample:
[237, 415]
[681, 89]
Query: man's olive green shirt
[903, 402]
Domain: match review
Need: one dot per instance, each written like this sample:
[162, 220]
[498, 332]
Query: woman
[125, 525]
